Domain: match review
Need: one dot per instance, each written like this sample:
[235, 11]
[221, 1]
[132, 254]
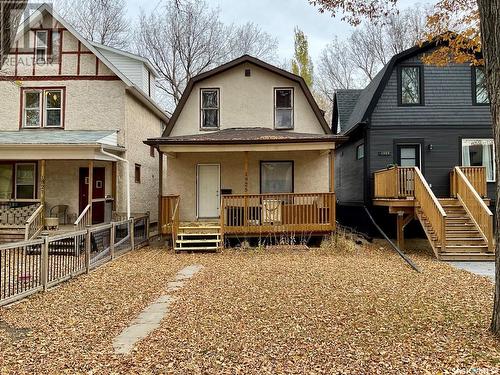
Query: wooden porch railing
[475, 206]
[175, 222]
[430, 206]
[271, 213]
[395, 182]
[85, 218]
[168, 205]
[34, 224]
[476, 177]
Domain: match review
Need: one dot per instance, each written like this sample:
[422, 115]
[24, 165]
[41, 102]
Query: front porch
[248, 190]
[458, 226]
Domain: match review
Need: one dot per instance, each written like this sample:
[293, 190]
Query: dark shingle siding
[346, 101]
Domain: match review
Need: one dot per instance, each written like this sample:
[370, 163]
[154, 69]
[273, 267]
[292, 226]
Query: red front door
[98, 193]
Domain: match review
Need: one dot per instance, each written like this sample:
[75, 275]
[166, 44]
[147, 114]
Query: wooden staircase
[464, 241]
[194, 237]
[9, 235]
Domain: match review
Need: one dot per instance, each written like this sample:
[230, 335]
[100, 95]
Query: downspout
[127, 176]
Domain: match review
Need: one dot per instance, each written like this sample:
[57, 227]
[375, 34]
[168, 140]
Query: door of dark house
[408, 155]
[98, 192]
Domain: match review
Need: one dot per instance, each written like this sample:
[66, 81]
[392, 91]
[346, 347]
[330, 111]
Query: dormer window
[283, 108]
[42, 108]
[210, 114]
[41, 46]
[410, 85]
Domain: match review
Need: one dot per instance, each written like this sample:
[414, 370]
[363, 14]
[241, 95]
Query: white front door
[208, 191]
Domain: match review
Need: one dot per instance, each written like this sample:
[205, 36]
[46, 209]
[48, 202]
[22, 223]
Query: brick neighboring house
[70, 106]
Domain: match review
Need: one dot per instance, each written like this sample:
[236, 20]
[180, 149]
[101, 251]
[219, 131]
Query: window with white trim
[42, 108]
[41, 46]
[479, 153]
[283, 108]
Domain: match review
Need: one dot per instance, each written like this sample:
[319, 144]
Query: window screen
[276, 177]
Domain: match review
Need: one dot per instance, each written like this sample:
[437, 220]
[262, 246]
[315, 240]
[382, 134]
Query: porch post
[246, 171]
[90, 186]
[245, 208]
[113, 183]
[42, 188]
[160, 191]
[332, 171]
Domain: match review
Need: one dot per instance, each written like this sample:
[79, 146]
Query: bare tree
[335, 69]
[101, 21]
[250, 39]
[355, 61]
[181, 40]
[186, 38]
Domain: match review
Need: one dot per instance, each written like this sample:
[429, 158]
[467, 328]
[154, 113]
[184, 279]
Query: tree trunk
[489, 11]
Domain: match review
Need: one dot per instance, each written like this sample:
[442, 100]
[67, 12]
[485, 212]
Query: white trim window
[479, 153]
[283, 108]
[43, 108]
[41, 46]
[210, 108]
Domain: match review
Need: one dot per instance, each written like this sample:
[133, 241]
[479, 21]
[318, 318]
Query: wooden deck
[252, 215]
[459, 227]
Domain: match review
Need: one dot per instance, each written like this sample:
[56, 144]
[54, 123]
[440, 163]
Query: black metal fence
[31, 266]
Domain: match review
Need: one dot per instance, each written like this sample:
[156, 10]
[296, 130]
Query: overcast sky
[278, 18]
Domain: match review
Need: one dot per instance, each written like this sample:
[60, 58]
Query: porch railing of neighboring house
[31, 266]
[34, 224]
[395, 182]
[474, 205]
[430, 206]
[475, 175]
[273, 213]
[85, 218]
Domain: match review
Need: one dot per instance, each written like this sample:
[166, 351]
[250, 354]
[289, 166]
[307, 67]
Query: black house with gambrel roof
[434, 118]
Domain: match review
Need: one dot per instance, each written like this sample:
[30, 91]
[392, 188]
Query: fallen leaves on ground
[276, 311]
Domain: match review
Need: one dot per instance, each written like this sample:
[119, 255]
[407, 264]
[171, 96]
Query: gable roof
[131, 87]
[241, 60]
[130, 55]
[346, 100]
[370, 95]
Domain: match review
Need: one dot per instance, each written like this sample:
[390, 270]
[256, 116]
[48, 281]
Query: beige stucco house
[248, 152]
[73, 116]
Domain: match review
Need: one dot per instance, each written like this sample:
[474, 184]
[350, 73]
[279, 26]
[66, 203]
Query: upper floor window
[283, 108]
[479, 83]
[42, 108]
[410, 85]
[41, 46]
[209, 108]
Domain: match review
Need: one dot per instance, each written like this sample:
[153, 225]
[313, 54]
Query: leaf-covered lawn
[287, 311]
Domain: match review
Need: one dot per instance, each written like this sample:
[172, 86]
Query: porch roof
[39, 144]
[56, 137]
[256, 135]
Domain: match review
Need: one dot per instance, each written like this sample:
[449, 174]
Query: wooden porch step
[197, 248]
[198, 241]
[467, 256]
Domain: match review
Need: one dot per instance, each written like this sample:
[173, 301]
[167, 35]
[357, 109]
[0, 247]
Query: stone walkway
[150, 318]
[479, 268]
